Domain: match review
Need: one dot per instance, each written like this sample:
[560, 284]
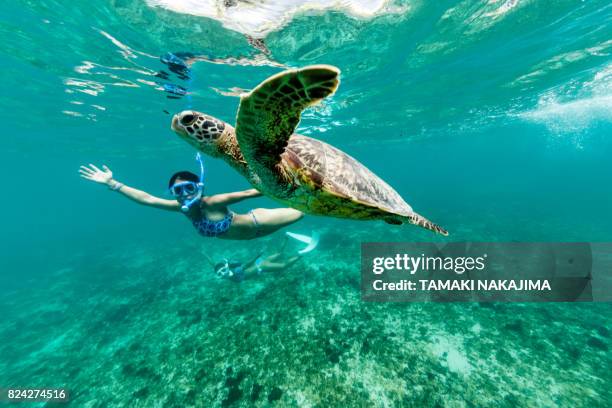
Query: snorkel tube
[187, 204]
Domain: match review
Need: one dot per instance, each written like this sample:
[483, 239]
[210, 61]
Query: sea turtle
[299, 171]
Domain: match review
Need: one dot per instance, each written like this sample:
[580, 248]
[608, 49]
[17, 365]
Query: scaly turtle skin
[301, 172]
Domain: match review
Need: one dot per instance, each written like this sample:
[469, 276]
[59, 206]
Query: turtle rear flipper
[418, 220]
[269, 114]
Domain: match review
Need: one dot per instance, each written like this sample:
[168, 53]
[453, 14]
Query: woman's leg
[292, 260]
[274, 257]
[269, 266]
[271, 220]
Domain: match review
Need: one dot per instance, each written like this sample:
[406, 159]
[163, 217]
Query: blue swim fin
[310, 241]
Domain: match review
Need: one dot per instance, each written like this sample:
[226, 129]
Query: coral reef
[150, 325]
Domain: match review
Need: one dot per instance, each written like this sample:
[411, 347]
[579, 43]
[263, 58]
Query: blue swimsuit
[210, 228]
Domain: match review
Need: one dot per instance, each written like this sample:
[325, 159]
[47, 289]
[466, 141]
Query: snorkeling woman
[210, 215]
[275, 262]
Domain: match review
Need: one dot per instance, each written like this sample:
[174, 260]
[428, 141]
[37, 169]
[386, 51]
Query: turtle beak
[176, 126]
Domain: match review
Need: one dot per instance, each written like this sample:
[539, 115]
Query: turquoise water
[491, 118]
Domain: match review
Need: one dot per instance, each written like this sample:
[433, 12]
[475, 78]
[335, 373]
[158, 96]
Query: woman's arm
[105, 177]
[232, 198]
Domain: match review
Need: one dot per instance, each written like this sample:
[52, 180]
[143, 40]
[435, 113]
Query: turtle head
[199, 130]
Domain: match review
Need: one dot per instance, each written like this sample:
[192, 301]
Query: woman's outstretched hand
[96, 175]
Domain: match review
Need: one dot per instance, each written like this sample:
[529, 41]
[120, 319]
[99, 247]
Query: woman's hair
[183, 175]
[219, 266]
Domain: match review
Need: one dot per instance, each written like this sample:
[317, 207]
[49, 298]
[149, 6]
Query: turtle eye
[187, 119]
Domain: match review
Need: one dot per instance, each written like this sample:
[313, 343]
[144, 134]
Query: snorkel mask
[189, 188]
[224, 270]
[230, 270]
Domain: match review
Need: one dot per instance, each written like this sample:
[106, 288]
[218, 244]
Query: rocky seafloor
[152, 326]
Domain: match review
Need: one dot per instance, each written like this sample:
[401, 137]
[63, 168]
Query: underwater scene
[133, 274]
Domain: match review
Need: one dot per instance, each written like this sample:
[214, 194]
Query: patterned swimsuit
[209, 228]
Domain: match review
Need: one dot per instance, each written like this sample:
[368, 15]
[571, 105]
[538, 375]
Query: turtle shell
[329, 181]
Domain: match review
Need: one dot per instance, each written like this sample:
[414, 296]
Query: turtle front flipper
[269, 114]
